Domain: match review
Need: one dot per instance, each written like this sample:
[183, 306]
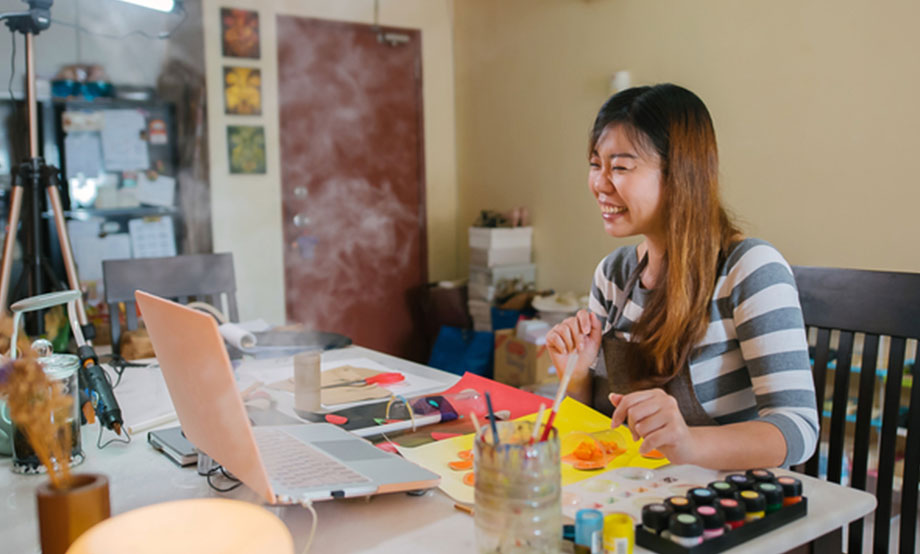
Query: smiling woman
[696, 335]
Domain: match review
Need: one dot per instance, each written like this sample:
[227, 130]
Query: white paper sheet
[89, 251]
[123, 149]
[278, 369]
[82, 154]
[159, 192]
[152, 237]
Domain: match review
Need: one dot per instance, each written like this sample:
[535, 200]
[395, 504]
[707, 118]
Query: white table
[139, 476]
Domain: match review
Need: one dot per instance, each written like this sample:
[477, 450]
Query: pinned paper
[159, 191]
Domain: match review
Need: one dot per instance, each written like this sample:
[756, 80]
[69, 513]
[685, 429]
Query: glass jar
[62, 370]
[518, 491]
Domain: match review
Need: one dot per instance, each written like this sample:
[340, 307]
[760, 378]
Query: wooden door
[352, 179]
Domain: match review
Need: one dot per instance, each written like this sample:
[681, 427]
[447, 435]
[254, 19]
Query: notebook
[284, 463]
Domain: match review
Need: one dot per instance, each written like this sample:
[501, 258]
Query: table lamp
[195, 525]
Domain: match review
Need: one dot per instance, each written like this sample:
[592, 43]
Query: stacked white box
[496, 254]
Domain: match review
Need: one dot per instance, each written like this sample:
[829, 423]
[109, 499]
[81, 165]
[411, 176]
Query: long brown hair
[675, 123]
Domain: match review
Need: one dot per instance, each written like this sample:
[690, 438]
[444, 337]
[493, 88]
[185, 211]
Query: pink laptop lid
[200, 380]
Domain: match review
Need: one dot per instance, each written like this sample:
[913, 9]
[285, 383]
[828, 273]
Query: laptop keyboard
[295, 465]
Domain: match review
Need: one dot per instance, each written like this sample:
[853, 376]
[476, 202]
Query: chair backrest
[204, 277]
[883, 309]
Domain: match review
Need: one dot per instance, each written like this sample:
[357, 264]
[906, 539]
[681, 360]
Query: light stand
[36, 175]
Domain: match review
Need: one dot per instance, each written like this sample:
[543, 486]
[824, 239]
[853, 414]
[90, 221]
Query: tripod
[35, 175]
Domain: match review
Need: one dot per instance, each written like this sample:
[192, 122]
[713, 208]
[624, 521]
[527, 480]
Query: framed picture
[242, 91]
[239, 33]
[246, 148]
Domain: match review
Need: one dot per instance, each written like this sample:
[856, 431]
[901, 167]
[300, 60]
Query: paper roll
[237, 336]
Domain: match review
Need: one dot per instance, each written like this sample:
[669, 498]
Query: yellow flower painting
[243, 90]
[246, 148]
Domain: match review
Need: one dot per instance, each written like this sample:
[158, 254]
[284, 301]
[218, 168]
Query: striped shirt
[752, 363]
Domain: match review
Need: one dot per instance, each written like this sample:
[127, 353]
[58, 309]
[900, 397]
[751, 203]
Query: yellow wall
[246, 209]
[815, 107]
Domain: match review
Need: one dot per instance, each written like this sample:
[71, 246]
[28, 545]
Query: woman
[698, 330]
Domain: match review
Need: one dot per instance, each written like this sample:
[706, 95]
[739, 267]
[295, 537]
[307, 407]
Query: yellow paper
[573, 416]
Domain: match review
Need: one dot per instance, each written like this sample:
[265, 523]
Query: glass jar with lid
[61, 370]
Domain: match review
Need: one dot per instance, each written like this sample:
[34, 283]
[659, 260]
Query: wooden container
[63, 515]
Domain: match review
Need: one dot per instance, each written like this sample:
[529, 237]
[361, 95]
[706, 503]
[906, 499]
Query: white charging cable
[308, 504]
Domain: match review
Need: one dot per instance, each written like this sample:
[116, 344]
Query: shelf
[140, 211]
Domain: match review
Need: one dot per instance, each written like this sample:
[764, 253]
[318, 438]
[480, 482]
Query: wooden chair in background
[853, 304]
[204, 277]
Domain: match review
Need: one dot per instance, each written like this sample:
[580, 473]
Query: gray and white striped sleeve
[771, 334]
[600, 302]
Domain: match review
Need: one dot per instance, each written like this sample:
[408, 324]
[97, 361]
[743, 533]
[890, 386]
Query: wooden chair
[204, 277]
[875, 304]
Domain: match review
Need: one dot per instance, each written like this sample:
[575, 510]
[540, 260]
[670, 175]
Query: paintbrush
[564, 384]
[475, 422]
[492, 419]
[536, 424]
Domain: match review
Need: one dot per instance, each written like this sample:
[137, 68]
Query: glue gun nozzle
[117, 428]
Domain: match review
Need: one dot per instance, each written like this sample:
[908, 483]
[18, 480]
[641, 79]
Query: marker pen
[655, 517]
[589, 531]
[733, 512]
[761, 475]
[755, 505]
[723, 489]
[702, 496]
[679, 504]
[685, 529]
[741, 481]
[713, 521]
[792, 490]
[773, 495]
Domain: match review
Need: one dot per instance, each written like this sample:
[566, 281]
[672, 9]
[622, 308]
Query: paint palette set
[721, 515]
[712, 511]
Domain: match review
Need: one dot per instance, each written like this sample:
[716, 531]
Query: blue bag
[459, 350]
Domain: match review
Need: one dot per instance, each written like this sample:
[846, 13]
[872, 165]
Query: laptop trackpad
[351, 450]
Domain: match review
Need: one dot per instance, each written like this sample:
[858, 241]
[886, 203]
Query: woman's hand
[581, 334]
[654, 416]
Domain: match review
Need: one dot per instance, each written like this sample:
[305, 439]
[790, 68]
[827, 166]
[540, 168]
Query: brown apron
[618, 352]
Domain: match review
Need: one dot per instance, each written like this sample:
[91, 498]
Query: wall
[246, 210]
[814, 107]
[110, 38]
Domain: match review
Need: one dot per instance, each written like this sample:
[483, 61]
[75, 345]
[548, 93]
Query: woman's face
[626, 181]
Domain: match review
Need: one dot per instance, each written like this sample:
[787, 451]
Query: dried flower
[40, 411]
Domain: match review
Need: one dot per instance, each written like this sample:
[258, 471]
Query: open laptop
[284, 463]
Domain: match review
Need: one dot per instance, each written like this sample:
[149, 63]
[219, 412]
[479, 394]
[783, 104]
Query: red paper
[504, 397]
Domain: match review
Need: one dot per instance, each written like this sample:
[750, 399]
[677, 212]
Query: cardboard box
[501, 237]
[519, 362]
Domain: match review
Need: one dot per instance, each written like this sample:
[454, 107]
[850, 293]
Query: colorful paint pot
[755, 505]
[713, 521]
[723, 489]
[772, 493]
[741, 481]
[685, 529]
[761, 475]
[655, 517]
[792, 490]
[732, 511]
[680, 504]
[702, 496]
